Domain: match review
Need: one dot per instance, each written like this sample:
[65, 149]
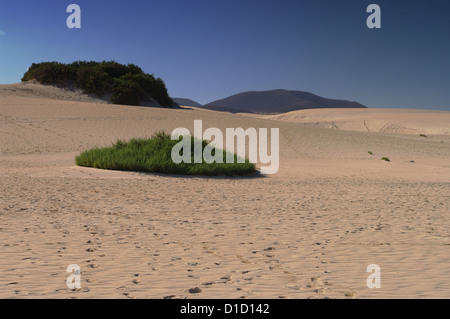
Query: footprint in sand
[226, 278]
[195, 290]
[12, 283]
[209, 283]
[128, 295]
[349, 294]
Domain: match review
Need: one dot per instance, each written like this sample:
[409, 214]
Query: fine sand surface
[309, 231]
[399, 121]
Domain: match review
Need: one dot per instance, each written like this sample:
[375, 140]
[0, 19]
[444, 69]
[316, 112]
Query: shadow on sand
[257, 174]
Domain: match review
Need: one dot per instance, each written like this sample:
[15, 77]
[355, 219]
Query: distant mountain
[186, 102]
[276, 101]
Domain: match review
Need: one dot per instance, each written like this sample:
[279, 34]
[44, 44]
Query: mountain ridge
[186, 102]
[277, 101]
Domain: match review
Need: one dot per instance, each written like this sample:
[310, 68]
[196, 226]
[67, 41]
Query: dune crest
[399, 121]
[33, 89]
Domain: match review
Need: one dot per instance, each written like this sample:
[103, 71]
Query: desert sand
[309, 231]
[400, 121]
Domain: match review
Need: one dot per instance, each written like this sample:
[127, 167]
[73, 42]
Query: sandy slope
[33, 89]
[401, 121]
[309, 231]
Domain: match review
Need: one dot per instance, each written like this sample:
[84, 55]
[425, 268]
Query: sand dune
[309, 231]
[399, 121]
[32, 89]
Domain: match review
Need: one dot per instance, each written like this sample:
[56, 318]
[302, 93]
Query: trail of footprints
[239, 278]
[317, 288]
[122, 230]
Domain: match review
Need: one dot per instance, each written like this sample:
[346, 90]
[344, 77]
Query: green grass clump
[127, 84]
[370, 152]
[154, 155]
[385, 159]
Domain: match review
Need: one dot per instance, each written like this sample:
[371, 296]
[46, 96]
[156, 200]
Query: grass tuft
[154, 155]
[385, 159]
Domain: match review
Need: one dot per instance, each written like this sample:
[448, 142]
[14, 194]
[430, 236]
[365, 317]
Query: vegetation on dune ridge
[127, 84]
[154, 155]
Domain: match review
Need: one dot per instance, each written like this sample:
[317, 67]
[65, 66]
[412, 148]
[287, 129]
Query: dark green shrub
[114, 69]
[128, 84]
[93, 80]
[126, 92]
[50, 73]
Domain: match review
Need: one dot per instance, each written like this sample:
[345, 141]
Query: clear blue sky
[209, 49]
